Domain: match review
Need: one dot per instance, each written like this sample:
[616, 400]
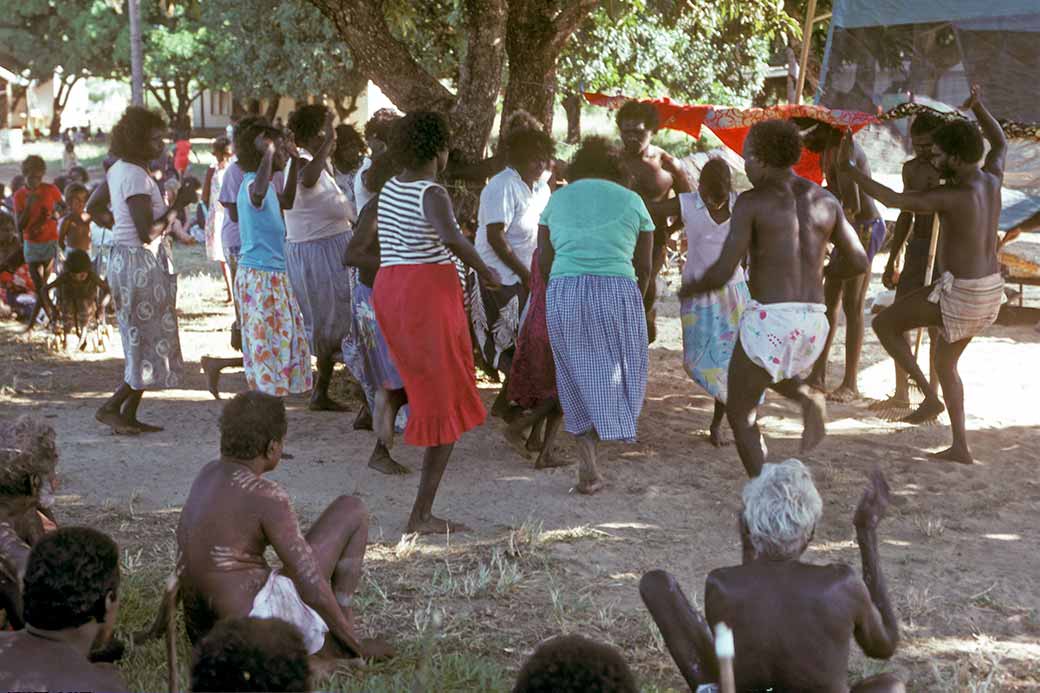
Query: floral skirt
[710, 326]
[275, 353]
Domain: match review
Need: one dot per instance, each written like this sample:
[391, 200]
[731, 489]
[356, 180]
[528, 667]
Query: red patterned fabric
[731, 125]
[533, 378]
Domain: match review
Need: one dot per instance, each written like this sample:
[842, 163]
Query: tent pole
[810, 14]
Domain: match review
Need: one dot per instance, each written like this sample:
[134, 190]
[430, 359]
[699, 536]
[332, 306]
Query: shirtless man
[233, 514]
[848, 292]
[71, 600]
[967, 297]
[785, 223]
[654, 173]
[791, 621]
[918, 174]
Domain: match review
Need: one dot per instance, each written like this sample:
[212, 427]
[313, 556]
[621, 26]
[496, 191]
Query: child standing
[69, 159]
[34, 207]
[74, 227]
[215, 210]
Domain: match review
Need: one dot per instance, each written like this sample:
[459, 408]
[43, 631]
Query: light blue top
[593, 225]
[262, 230]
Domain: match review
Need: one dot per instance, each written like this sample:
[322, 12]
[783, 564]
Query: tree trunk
[273, 104]
[536, 34]
[572, 107]
[253, 106]
[60, 100]
[136, 53]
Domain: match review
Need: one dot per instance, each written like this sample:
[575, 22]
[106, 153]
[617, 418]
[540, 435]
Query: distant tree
[66, 40]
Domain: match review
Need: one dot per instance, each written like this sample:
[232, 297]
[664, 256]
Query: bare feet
[716, 437]
[929, 409]
[844, 394]
[954, 454]
[889, 404]
[434, 525]
[515, 438]
[814, 409]
[116, 422]
[535, 443]
[381, 461]
[588, 488]
[320, 401]
[501, 404]
[212, 372]
[548, 460]
[816, 382]
[383, 419]
[363, 420]
[143, 427]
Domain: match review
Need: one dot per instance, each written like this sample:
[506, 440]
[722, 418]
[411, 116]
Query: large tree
[66, 41]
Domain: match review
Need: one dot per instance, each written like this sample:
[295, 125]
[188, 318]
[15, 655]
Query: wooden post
[810, 16]
[932, 246]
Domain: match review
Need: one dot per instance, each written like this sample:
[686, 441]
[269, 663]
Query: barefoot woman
[418, 303]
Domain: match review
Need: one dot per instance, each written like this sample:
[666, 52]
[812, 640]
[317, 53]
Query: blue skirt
[321, 285]
[597, 328]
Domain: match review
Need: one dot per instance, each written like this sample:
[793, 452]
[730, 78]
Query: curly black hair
[961, 139]
[646, 113]
[598, 157]
[80, 173]
[34, 164]
[249, 423]
[129, 140]
[419, 137]
[776, 143]
[925, 124]
[384, 167]
[77, 261]
[574, 664]
[70, 573]
[379, 125]
[716, 177]
[525, 145]
[251, 654]
[245, 142]
[306, 122]
[350, 147]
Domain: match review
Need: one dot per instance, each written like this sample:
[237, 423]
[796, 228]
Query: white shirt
[704, 237]
[507, 200]
[126, 180]
[362, 194]
[320, 211]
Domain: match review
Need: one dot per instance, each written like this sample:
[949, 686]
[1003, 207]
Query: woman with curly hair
[318, 228]
[140, 272]
[346, 159]
[419, 305]
[595, 245]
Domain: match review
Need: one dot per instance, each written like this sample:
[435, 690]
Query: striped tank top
[405, 236]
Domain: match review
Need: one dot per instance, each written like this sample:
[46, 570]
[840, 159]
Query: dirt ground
[960, 545]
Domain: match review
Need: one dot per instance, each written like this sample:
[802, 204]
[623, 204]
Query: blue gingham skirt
[597, 329]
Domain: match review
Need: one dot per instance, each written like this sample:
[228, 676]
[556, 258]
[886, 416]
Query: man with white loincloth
[783, 225]
[233, 513]
[967, 297]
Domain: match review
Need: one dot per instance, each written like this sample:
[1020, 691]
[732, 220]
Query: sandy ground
[960, 546]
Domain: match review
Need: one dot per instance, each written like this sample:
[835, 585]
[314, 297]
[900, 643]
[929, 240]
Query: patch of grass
[930, 527]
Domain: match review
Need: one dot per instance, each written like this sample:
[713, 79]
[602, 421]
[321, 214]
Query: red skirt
[533, 378]
[420, 312]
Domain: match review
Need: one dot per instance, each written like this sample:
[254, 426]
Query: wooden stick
[803, 64]
[170, 603]
[932, 246]
[724, 653]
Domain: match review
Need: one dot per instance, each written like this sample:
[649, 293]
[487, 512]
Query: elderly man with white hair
[792, 621]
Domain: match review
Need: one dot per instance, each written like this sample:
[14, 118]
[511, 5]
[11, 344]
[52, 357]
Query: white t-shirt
[704, 237]
[320, 211]
[126, 180]
[362, 194]
[507, 200]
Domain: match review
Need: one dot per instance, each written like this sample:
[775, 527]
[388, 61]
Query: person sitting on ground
[849, 292]
[783, 225]
[68, 157]
[74, 227]
[71, 592]
[575, 664]
[967, 297]
[251, 654]
[817, 608]
[233, 513]
[82, 300]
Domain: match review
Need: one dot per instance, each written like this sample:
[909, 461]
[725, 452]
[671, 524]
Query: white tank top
[704, 237]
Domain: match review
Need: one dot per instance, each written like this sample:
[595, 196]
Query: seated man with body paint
[233, 513]
[792, 621]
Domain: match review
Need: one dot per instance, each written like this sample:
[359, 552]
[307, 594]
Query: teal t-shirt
[593, 225]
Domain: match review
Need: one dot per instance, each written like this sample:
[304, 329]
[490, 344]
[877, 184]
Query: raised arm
[282, 529]
[258, 190]
[877, 628]
[665, 208]
[438, 210]
[311, 171]
[993, 133]
[939, 199]
[680, 181]
[733, 251]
